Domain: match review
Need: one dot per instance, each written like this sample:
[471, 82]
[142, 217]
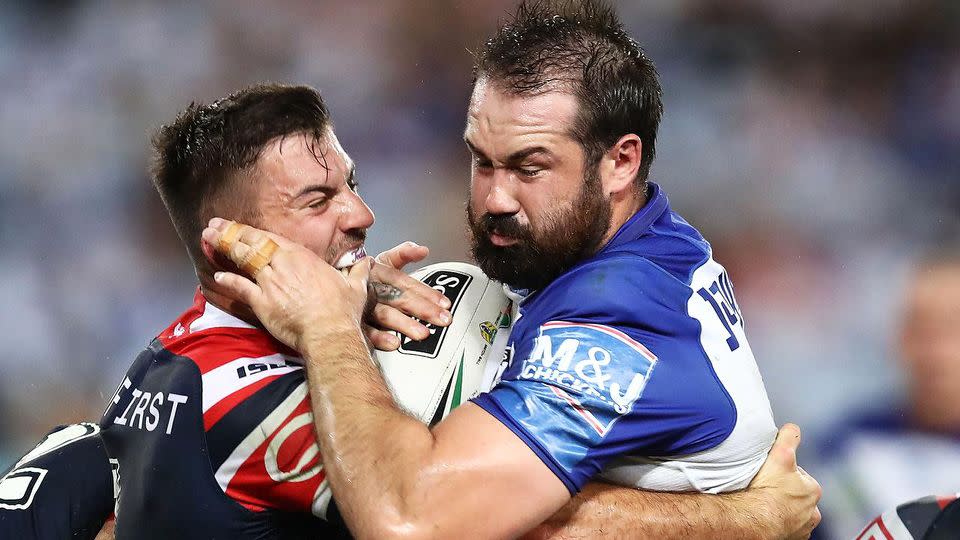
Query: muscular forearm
[604, 511]
[360, 426]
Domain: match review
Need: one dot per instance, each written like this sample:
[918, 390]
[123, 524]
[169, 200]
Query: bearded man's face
[536, 207]
[564, 234]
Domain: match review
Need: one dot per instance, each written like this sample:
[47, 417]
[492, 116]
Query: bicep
[480, 465]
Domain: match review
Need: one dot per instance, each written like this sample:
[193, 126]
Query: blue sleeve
[593, 377]
[63, 488]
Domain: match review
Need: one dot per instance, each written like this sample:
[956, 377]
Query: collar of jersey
[657, 204]
[214, 317]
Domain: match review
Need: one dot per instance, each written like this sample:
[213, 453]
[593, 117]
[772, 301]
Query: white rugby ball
[431, 377]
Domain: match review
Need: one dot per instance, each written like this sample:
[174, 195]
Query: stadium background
[816, 144]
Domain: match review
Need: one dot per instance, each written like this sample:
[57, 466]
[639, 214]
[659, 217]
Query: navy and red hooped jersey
[212, 436]
[60, 489]
[927, 518]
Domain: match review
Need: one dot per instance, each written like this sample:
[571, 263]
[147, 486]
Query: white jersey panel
[732, 464]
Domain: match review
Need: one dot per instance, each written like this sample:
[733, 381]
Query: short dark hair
[582, 46]
[199, 157]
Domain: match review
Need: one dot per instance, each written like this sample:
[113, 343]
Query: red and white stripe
[627, 340]
[277, 465]
[223, 389]
[587, 415]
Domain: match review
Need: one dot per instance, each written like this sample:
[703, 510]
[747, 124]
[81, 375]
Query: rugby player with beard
[627, 361]
[190, 428]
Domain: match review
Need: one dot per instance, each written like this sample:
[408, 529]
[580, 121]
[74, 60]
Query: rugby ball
[431, 377]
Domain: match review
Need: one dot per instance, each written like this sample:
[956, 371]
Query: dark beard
[565, 236]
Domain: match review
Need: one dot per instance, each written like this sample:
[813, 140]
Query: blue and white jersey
[633, 366]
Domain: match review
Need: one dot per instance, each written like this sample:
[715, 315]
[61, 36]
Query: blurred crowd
[816, 144]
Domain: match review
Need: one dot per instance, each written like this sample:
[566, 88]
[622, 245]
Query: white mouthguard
[350, 258]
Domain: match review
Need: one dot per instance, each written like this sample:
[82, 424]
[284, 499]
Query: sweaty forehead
[499, 122]
[297, 160]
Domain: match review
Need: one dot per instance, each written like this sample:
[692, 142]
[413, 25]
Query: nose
[357, 215]
[500, 198]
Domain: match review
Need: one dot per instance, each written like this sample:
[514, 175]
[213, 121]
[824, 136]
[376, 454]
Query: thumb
[784, 450]
[359, 274]
[782, 458]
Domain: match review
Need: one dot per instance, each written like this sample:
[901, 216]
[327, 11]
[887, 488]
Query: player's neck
[213, 295]
[622, 207]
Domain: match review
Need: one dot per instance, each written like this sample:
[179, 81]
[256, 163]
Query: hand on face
[296, 293]
[792, 493]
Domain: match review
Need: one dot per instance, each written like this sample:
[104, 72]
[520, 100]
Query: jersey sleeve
[63, 488]
[603, 367]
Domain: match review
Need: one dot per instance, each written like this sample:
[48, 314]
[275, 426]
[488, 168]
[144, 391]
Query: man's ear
[209, 251]
[215, 262]
[620, 164]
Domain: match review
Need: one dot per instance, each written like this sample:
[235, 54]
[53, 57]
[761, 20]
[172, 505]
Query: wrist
[328, 338]
[762, 508]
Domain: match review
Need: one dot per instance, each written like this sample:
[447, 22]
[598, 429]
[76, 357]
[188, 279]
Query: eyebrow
[313, 188]
[323, 188]
[519, 155]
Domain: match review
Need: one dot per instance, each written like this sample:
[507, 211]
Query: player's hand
[402, 301]
[297, 296]
[786, 490]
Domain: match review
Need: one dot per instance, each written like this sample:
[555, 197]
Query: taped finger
[239, 252]
[229, 236]
[259, 257]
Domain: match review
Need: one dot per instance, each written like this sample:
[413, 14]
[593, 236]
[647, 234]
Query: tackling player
[628, 358]
[211, 433]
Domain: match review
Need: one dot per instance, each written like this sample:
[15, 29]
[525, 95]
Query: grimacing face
[533, 212]
[303, 201]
